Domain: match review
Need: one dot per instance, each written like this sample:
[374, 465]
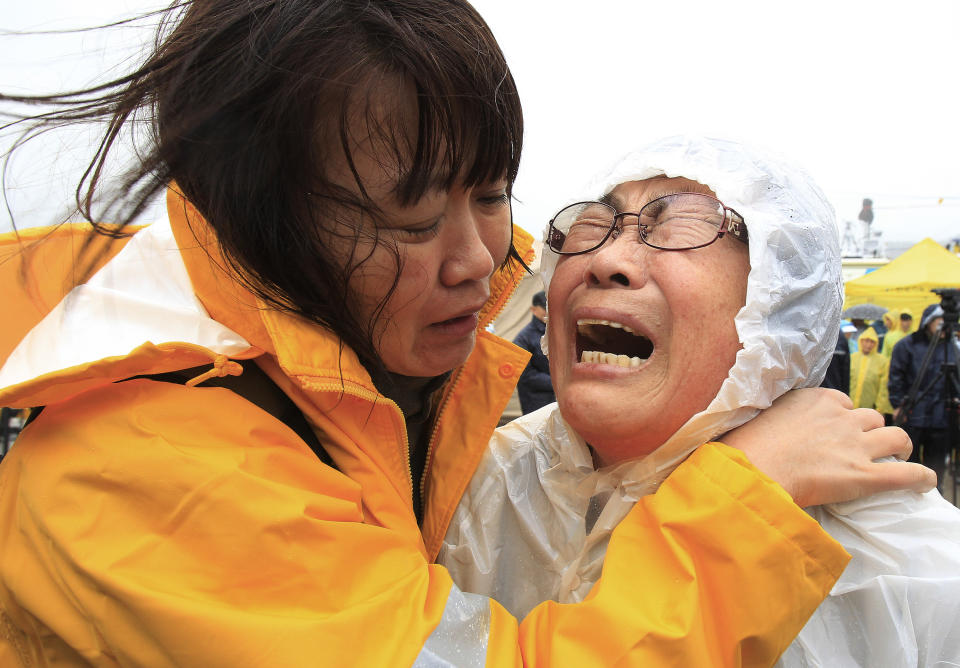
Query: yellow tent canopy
[906, 281]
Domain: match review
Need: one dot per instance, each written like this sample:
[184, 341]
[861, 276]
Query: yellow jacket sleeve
[140, 530]
[718, 568]
[135, 533]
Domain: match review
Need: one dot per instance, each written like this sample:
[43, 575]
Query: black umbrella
[864, 312]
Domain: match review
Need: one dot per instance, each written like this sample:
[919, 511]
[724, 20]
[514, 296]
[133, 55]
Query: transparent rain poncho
[535, 523]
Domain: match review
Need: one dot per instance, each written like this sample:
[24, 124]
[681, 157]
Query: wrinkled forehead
[633, 195]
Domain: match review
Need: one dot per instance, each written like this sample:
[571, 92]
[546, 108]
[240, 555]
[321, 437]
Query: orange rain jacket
[155, 524]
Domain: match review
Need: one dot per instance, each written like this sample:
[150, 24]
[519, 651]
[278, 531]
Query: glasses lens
[684, 220]
[580, 227]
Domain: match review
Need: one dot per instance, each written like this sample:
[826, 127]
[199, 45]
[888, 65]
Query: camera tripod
[948, 373]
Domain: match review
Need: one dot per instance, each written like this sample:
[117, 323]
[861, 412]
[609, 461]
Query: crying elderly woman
[702, 286]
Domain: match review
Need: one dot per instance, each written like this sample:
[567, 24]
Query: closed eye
[498, 200]
[418, 233]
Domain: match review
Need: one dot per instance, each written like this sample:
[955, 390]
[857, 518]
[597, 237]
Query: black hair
[245, 98]
[540, 299]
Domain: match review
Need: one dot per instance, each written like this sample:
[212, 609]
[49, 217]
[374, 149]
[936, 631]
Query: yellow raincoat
[868, 377]
[156, 524]
[893, 335]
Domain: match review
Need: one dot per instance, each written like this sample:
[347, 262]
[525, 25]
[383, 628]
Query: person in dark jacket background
[838, 373]
[534, 388]
[926, 422]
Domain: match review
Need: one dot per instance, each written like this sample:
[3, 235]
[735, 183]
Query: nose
[469, 256]
[620, 262]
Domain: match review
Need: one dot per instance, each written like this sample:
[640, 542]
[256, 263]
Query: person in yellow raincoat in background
[904, 327]
[868, 375]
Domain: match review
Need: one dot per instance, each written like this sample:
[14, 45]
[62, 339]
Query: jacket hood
[869, 335]
[794, 295]
[788, 328]
[138, 314]
[929, 313]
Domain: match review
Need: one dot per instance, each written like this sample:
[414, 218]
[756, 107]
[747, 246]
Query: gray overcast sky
[864, 94]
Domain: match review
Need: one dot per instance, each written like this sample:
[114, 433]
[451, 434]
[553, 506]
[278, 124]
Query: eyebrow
[617, 203]
[436, 182]
[611, 200]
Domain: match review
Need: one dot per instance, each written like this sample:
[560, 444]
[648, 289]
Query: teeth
[599, 357]
[608, 323]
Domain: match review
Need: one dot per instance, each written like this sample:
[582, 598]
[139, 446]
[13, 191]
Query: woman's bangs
[460, 143]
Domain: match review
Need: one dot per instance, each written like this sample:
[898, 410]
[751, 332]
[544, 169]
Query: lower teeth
[597, 357]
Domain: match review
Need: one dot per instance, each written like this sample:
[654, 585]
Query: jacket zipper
[447, 392]
[373, 397]
[512, 284]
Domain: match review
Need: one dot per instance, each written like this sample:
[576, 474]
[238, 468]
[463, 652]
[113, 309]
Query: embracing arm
[718, 533]
[719, 567]
[145, 537]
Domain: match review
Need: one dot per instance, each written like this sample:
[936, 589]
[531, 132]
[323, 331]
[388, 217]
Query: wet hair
[245, 98]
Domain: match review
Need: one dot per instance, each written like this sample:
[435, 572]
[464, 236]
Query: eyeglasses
[681, 221]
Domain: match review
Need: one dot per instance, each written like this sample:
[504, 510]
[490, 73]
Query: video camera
[949, 303]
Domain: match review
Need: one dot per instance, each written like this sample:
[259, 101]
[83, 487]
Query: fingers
[868, 418]
[822, 450]
[887, 442]
[903, 439]
[885, 476]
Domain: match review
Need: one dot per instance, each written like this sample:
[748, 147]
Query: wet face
[867, 345]
[448, 243]
[641, 339]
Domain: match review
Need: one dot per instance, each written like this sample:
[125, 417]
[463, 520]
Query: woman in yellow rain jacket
[869, 370]
[253, 421]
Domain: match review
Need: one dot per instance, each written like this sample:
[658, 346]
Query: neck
[410, 393]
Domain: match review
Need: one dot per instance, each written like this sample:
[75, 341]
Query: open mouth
[608, 342]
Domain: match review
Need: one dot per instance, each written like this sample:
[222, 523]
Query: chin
[439, 361]
[614, 432]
